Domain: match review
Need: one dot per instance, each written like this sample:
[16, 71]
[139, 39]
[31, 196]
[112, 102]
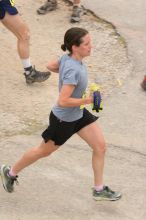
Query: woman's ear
[74, 48]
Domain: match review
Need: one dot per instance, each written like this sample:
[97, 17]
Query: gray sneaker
[49, 5]
[76, 14]
[106, 194]
[7, 180]
[36, 76]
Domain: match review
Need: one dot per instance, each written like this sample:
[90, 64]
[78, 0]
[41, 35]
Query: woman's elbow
[49, 67]
[61, 103]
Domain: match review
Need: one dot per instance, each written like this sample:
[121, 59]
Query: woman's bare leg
[93, 136]
[32, 155]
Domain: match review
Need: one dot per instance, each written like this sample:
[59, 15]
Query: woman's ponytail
[63, 47]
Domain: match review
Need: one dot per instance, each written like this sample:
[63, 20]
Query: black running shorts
[7, 6]
[60, 131]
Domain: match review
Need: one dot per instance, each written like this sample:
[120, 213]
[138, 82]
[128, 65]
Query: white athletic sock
[26, 63]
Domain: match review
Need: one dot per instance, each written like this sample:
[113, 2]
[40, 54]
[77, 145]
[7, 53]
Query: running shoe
[7, 180]
[106, 194]
[76, 14]
[36, 76]
[49, 5]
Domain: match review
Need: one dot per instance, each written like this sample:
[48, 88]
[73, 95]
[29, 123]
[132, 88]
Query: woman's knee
[100, 148]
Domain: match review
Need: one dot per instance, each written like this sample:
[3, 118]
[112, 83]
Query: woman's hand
[88, 100]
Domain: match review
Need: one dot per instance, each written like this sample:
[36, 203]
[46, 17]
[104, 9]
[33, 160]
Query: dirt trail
[24, 109]
[58, 187]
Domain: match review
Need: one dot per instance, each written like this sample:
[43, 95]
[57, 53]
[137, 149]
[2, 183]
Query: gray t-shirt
[71, 72]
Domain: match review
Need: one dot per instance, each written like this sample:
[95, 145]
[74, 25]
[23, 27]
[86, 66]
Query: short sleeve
[70, 76]
[59, 60]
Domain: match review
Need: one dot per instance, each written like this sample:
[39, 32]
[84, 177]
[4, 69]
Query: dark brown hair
[73, 36]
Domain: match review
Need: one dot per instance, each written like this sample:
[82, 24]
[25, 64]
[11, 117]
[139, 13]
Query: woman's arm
[65, 99]
[53, 66]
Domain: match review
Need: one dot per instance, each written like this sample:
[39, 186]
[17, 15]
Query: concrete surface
[130, 20]
[125, 111]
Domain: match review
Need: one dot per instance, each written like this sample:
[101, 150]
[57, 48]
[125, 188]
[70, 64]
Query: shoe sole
[73, 20]
[43, 12]
[3, 179]
[107, 199]
[40, 81]
[31, 81]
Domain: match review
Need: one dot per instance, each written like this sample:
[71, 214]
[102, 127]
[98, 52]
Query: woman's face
[85, 47]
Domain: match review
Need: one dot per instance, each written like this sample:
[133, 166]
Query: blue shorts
[7, 6]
